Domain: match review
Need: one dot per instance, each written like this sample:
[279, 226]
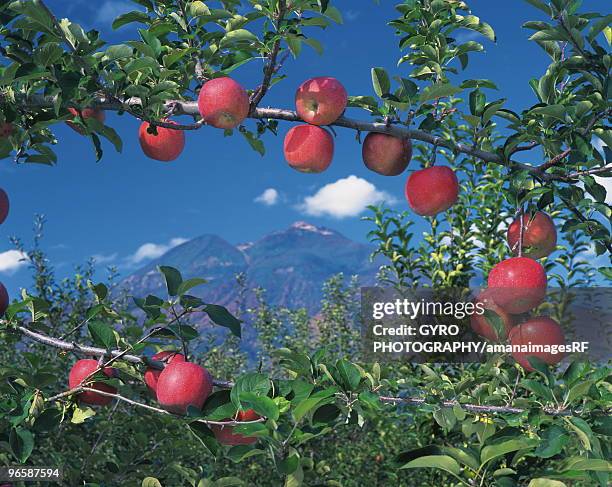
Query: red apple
[517, 284]
[183, 384]
[386, 154]
[432, 190]
[537, 331]
[482, 326]
[308, 148]
[86, 113]
[80, 370]
[6, 130]
[539, 235]
[166, 146]
[226, 436]
[320, 101]
[4, 205]
[151, 375]
[4, 299]
[223, 103]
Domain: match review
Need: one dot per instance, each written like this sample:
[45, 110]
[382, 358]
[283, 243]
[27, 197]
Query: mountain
[291, 265]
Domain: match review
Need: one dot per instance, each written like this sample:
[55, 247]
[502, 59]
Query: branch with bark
[120, 355]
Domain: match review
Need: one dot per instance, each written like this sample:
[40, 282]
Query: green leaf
[587, 464]
[173, 279]
[21, 442]
[198, 8]
[254, 383]
[439, 90]
[380, 81]
[552, 442]
[348, 375]
[36, 14]
[222, 317]
[130, 17]
[555, 111]
[442, 462]
[474, 23]
[190, 284]
[102, 334]
[491, 452]
[262, 405]
[540, 4]
[81, 414]
[238, 36]
[546, 483]
[48, 54]
[540, 390]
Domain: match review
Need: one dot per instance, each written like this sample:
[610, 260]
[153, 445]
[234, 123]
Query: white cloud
[104, 259]
[345, 198]
[111, 9]
[153, 251]
[269, 197]
[11, 261]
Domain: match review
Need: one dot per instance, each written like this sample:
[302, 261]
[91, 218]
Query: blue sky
[129, 208]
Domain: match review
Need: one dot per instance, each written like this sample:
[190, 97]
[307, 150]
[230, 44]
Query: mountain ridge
[291, 265]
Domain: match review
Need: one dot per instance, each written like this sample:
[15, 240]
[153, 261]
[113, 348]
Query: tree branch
[100, 352]
[54, 342]
[182, 107]
[477, 408]
[554, 161]
[271, 67]
[119, 397]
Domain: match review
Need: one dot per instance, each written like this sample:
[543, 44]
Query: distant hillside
[291, 265]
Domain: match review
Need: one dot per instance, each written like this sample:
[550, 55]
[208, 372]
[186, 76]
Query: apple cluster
[180, 385]
[518, 285]
[223, 103]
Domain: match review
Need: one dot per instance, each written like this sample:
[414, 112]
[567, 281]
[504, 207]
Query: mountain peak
[309, 227]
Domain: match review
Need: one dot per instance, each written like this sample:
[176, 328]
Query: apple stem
[520, 242]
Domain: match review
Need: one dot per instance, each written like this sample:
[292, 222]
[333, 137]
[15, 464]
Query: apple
[320, 101]
[386, 154]
[541, 330]
[539, 235]
[183, 384]
[80, 370]
[432, 190]
[4, 299]
[4, 205]
[225, 434]
[151, 375]
[482, 326]
[223, 103]
[309, 148]
[517, 284]
[6, 130]
[86, 113]
[166, 146]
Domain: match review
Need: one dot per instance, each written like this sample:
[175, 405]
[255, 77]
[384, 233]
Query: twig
[477, 408]
[119, 397]
[271, 65]
[554, 161]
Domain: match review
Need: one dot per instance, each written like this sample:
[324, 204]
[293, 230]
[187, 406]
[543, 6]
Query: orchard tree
[511, 421]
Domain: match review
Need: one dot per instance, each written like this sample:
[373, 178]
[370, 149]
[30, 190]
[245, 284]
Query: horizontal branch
[100, 352]
[119, 397]
[87, 350]
[477, 408]
[181, 107]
